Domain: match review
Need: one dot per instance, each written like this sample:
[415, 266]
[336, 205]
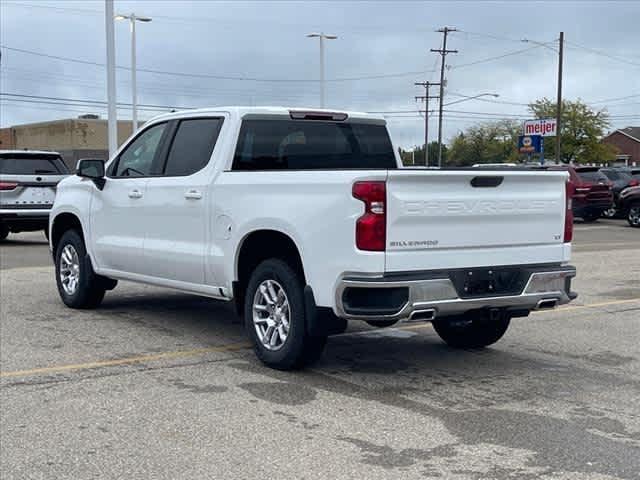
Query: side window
[136, 160]
[192, 146]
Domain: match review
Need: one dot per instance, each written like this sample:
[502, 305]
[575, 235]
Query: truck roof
[241, 111]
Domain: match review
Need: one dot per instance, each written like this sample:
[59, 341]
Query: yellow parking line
[228, 348]
[125, 361]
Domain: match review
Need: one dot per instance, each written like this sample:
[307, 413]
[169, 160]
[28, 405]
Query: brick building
[627, 141]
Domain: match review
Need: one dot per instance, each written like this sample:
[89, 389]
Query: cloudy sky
[208, 53]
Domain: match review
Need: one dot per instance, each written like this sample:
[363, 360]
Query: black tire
[299, 348]
[633, 216]
[90, 288]
[473, 330]
[382, 323]
[4, 232]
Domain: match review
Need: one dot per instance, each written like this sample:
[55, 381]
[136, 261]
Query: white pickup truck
[306, 219]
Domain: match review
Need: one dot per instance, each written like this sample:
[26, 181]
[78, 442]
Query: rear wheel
[472, 330]
[610, 212]
[4, 232]
[633, 216]
[78, 284]
[275, 317]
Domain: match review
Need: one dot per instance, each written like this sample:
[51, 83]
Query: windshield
[30, 165]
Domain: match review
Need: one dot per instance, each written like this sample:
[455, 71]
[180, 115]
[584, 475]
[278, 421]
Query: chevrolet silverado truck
[305, 219]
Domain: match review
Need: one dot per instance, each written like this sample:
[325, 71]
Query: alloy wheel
[271, 315]
[69, 269]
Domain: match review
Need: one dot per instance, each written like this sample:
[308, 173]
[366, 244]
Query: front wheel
[610, 213]
[634, 215]
[4, 232]
[78, 285]
[275, 317]
[472, 330]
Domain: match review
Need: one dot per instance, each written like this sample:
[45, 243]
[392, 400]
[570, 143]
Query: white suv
[305, 219]
[28, 181]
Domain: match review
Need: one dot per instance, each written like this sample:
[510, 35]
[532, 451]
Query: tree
[582, 128]
[493, 142]
[407, 156]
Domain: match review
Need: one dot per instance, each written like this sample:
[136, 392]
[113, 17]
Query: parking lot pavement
[157, 384]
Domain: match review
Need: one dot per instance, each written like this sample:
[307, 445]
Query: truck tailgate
[464, 218]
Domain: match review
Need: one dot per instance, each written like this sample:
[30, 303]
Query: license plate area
[36, 195]
[489, 282]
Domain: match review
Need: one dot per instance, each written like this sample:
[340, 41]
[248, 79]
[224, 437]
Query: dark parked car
[629, 205]
[621, 178]
[592, 192]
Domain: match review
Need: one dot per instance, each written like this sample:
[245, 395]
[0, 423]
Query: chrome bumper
[437, 297]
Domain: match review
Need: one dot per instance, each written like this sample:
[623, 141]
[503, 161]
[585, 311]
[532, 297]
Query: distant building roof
[631, 132]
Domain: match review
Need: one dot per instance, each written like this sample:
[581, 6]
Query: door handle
[193, 195]
[135, 193]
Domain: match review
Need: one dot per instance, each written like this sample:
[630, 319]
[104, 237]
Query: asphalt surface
[157, 384]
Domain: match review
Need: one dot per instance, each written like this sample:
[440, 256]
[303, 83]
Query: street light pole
[112, 120]
[134, 96]
[322, 37]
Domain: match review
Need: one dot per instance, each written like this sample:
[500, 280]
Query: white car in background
[28, 181]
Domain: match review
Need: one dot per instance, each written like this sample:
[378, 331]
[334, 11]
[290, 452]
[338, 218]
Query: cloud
[267, 40]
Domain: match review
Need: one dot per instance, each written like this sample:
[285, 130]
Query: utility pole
[445, 31]
[111, 79]
[426, 98]
[559, 105]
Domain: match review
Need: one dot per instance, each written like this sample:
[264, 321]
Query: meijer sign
[545, 127]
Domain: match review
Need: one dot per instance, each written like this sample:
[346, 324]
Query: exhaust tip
[547, 303]
[423, 315]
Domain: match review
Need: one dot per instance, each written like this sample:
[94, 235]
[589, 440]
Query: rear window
[592, 176]
[308, 145]
[30, 165]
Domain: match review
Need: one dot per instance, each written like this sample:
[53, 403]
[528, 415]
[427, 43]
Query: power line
[491, 36]
[603, 54]
[497, 57]
[212, 76]
[615, 99]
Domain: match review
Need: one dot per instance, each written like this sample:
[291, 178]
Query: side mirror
[93, 169]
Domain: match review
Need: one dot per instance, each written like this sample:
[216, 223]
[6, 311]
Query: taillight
[581, 188]
[568, 214]
[634, 183]
[371, 227]
[4, 186]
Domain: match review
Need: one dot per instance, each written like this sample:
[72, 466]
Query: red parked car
[592, 191]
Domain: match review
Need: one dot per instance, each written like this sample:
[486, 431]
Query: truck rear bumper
[427, 295]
